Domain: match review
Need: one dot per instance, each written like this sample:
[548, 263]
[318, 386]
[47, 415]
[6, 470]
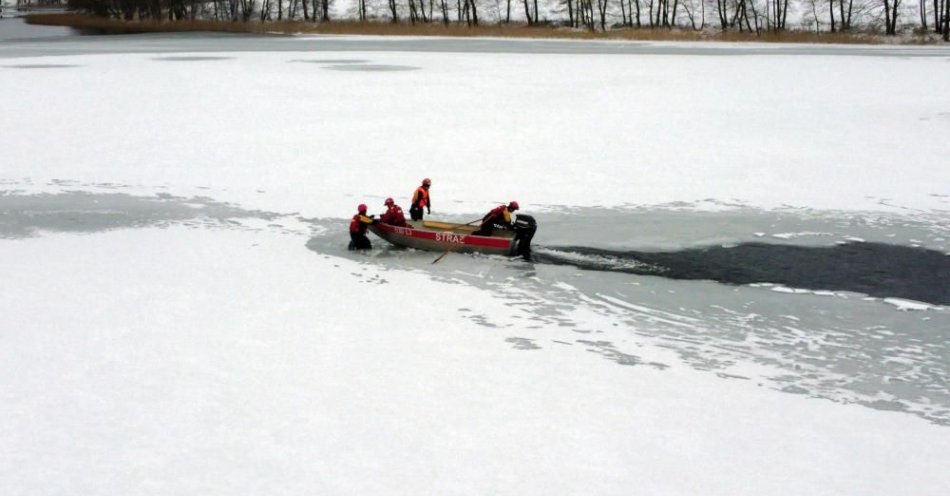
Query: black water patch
[875, 269]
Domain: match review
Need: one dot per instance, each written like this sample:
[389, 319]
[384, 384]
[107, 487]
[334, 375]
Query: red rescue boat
[433, 235]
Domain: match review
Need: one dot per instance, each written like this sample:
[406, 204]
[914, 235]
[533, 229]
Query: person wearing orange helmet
[358, 239]
[393, 215]
[421, 200]
[498, 218]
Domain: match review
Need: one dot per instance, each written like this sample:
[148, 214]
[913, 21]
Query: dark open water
[875, 269]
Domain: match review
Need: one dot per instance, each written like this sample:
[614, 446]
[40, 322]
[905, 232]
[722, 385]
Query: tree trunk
[937, 11]
[602, 10]
[946, 20]
[890, 16]
[939, 15]
[784, 14]
[722, 9]
[831, 13]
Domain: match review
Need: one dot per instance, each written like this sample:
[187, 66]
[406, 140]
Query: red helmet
[513, 206]
[426, 182]
[361, 208]
[388, 202]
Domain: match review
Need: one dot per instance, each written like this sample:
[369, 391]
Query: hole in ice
[876, 269]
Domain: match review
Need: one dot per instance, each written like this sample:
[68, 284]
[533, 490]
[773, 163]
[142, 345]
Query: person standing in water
[358, 239]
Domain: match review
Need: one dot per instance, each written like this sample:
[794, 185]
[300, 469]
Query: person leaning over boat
[421, 200]
[499, 217]
[358, 239]
[393, 215]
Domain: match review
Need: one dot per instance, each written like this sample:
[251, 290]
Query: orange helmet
[361, 208]
[388, 202]
[513, 206]
[427, 182]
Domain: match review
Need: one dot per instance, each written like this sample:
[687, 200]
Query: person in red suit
[499, 217]
[393, 215]
[358, 239]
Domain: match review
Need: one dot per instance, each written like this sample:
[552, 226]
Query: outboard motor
[525, 227]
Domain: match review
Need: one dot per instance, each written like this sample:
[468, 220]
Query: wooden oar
[453, 247]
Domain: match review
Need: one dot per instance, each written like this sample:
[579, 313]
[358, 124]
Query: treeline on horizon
[890, 17]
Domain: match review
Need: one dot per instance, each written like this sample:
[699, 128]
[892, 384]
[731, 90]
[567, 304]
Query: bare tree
[941, 7]
[445, 11]
[586, 13]
[527, 13]
[946, 20]
[813, 15]
[938, 11]
[361, 9]
[690, 7]
[845, 13]
[602, 12]
[247, 9]
[891, 13]
[470, 11]
[722, 11]
[778, 13]
[393, 11]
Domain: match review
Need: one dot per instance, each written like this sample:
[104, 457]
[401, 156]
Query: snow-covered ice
[178, 314]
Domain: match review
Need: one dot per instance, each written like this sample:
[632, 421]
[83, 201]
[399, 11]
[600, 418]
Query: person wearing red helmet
[358, 239]
[421, 200]
[498, 218]
[393, 215]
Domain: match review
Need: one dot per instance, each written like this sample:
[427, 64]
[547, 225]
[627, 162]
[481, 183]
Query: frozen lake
[742, 267]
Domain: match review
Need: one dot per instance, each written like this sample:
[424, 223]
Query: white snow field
[194, 357]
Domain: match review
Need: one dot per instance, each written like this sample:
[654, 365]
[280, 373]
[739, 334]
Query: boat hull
[444, 236]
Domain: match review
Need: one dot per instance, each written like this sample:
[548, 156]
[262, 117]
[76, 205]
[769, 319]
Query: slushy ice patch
[24, 215]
